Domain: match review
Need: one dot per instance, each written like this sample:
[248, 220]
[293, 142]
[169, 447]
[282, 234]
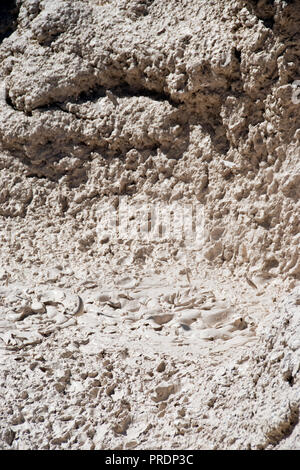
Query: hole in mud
[237, 54]
[269, 23]
[9, 101]
[291, 380]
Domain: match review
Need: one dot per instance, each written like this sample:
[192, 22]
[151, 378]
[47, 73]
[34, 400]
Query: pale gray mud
[141, 336]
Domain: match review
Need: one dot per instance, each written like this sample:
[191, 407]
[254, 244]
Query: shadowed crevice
[9, 10]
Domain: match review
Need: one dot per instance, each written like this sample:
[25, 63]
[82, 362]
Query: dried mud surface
[111, 343]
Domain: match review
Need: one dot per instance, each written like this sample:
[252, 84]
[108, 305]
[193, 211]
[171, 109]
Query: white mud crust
[109, 340]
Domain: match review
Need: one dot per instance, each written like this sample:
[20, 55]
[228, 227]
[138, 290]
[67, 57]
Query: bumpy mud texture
[189, 102]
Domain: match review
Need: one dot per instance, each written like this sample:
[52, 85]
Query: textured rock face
[184, 101]
[201, 96]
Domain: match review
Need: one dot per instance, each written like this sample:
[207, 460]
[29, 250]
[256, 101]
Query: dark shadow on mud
[9, 10]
